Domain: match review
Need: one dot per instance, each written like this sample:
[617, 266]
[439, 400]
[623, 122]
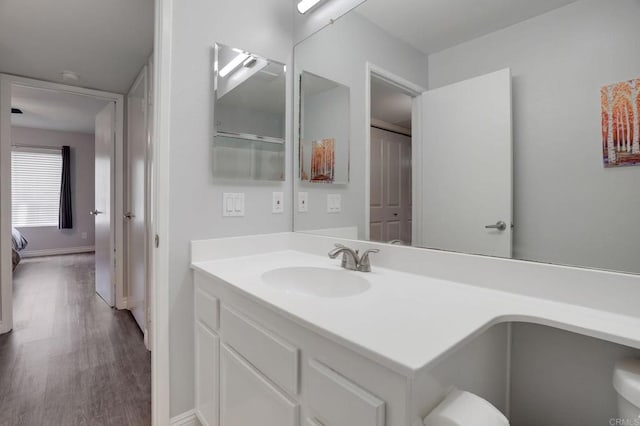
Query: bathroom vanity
[284, 330]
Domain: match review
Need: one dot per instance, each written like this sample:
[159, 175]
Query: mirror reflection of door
[105, 140]
[136, 213]
[390, 218]
[467, 165]
[390, 164]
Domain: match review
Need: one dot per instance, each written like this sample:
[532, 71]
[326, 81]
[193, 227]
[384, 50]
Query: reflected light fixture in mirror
[233, 64]
[306, 5]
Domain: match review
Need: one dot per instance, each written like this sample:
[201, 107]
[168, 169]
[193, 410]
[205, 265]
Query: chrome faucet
[351, 259]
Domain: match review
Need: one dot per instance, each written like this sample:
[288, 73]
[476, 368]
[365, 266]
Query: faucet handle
[364, 265]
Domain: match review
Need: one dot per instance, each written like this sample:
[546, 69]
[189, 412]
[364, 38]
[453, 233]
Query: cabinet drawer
[274, 357]
[249, 399]
[206, 308]
[340, 402]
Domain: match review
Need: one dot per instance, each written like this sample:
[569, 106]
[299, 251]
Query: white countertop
[407, 321]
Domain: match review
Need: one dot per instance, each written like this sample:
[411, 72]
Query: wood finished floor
[70, 359]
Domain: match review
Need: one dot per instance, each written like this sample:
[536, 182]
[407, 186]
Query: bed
[18, 243]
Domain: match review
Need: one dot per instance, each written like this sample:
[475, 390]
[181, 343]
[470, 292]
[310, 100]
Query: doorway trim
[414, 90]
[7, 81]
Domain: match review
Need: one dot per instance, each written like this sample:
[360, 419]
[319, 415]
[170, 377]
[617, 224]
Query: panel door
[390, 209]
[136, 214]
[104, 243]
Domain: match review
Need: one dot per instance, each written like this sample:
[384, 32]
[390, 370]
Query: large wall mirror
[249, 115]
[501, 128]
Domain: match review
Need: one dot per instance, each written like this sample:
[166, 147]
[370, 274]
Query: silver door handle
[129, 215]
[500, 226]
[95, 212]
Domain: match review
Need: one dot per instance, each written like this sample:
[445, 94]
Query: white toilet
[626, 381]
[462, 408]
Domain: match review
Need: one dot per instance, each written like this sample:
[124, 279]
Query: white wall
[260, 26]
[321, 16]
[562, 378]
[568, 208]
[82, 187]
[327, 116]
[346, 47]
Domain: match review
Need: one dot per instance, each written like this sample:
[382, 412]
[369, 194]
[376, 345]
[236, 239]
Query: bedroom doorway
[45, 118]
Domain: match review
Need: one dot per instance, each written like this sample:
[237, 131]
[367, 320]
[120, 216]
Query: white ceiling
[46, 109]
[434, 25]
[390, 104]
[105, 41]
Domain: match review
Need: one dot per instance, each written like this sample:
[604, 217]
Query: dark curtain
[65, 217]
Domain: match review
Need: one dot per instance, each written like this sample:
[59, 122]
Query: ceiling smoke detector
[70, 76]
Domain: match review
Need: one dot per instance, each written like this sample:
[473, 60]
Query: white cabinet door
[247, 398]
[207, 345]
[339, 402]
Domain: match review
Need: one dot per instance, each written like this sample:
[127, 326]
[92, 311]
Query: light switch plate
[233, 204]
[303, 202]
[278, 203]
[334, 203]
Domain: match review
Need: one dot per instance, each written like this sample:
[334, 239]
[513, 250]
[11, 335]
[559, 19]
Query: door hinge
[157, 241]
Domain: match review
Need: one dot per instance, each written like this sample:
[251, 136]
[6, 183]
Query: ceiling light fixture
[306, 5]
[233, 64]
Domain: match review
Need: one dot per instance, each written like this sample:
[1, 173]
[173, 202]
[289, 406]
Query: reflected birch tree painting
[323, 160]
[620, 124]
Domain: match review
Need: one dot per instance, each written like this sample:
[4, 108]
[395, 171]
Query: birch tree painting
[621, 124]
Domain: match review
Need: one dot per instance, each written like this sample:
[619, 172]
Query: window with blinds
[35, 186]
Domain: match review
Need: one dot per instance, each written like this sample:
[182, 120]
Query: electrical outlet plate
[233, 204]
[334, 203]
[278, 203]
[303, 202]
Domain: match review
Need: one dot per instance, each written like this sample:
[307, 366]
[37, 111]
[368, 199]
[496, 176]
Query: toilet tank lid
[626, 380]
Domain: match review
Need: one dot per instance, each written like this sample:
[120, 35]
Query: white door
[136, 212]
[105, 142]
[467, 166]
[390, 209]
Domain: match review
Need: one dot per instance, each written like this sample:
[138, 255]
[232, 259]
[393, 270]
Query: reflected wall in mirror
[249, 115]
[478, 126]
[324, 130]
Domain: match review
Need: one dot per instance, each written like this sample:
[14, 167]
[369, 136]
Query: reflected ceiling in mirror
[565, 82]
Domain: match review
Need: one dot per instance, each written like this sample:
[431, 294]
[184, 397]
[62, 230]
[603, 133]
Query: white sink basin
[320, 282]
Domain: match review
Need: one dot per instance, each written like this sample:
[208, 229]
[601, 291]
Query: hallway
[71, 359]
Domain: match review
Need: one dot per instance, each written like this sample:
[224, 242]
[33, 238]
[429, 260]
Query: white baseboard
[58, 251]
[188, 418]
[123, 304]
